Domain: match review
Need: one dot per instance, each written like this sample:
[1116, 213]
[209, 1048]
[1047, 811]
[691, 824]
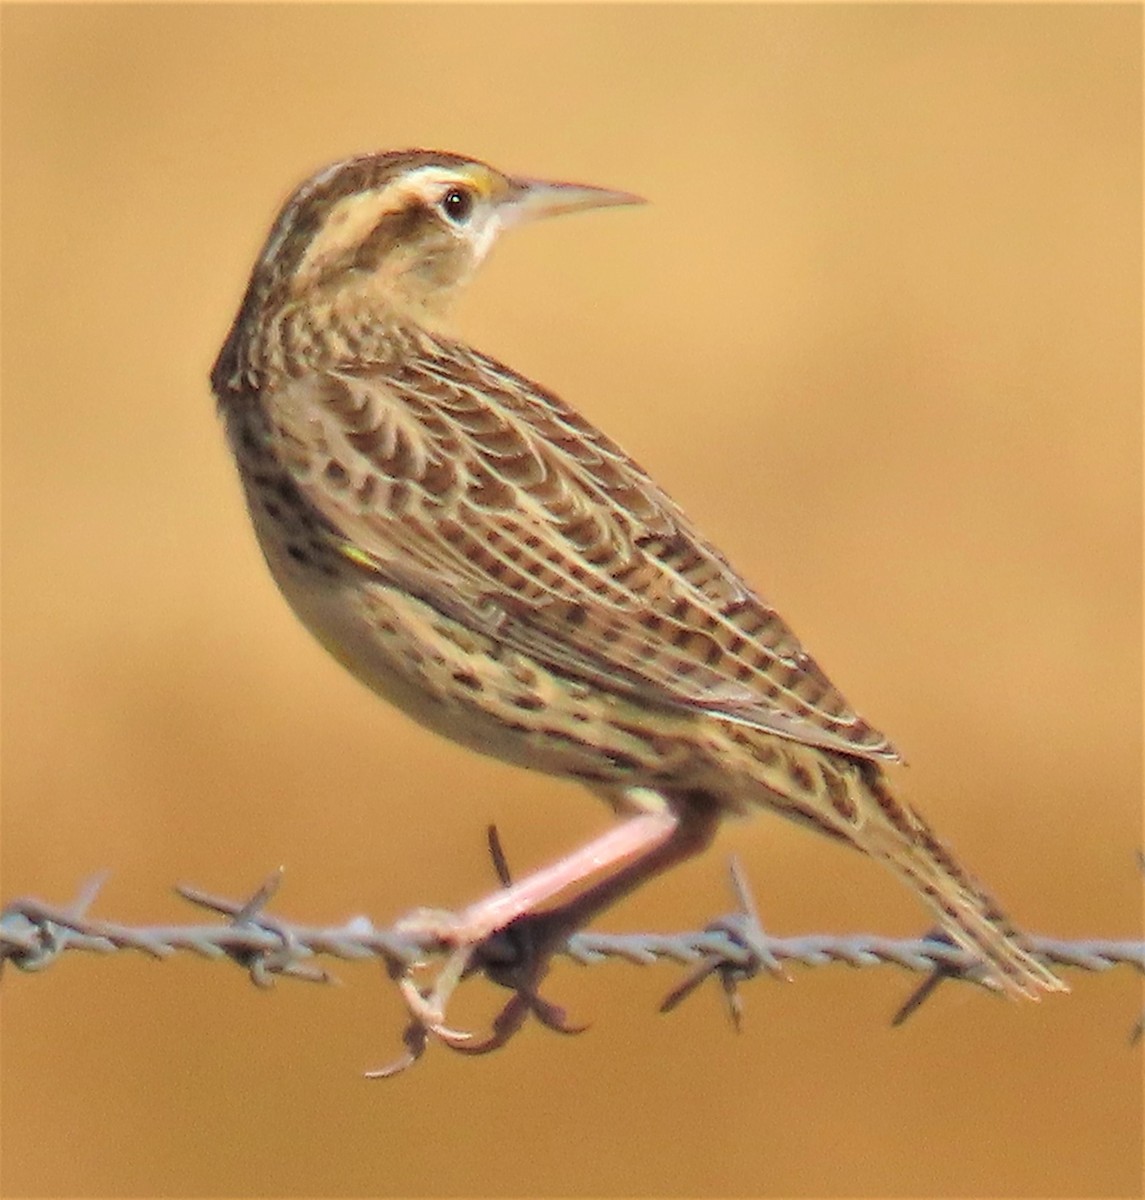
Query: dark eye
[457, 204]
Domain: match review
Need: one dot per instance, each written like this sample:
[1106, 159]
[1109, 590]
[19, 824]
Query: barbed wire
[34, 933]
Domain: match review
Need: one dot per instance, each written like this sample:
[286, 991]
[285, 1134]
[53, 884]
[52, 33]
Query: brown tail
[897, 836]
[852, 800]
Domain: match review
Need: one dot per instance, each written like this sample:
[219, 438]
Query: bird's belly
[466, 686]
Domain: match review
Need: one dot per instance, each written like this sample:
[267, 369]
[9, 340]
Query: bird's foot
[517, 958]
[426, 1007]
[427, 1004]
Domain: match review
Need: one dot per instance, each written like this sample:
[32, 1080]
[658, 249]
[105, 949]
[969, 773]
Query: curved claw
[428, 1009]
[525, 949]
[416, 1038]
[515, 956]
[428, 1018]
[428, 1012]
[511, 1018]
[553, 1016]
[507, 1023]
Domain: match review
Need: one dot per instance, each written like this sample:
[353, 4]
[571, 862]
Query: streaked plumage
[479, 553]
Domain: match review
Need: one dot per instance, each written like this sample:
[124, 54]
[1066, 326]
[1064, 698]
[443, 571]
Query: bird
[481, 555]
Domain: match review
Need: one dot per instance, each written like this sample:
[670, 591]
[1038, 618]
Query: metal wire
[734, 948]
[34, 933]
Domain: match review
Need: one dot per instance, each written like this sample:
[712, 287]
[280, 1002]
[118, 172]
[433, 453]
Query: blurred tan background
[879, 333]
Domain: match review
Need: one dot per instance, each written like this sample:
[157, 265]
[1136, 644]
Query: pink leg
[693, 829]
[640, 848]
[635, 837]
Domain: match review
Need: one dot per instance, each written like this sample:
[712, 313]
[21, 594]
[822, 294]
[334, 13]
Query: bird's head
[407, 228]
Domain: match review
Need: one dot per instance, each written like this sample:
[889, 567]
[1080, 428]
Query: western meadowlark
[475, 551]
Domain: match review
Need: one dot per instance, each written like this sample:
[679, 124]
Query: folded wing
[494, 500]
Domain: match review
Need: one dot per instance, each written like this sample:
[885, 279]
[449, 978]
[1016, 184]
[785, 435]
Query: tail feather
[899, 837]
[851, 800]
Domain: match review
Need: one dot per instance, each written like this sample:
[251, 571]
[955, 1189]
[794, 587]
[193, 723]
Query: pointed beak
[531, 199]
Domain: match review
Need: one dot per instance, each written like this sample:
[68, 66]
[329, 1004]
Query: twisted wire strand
[733, 948]
[34, 933]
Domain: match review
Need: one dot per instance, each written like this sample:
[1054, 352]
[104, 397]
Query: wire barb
[736, 948]
[744, 929]
[262, 963]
